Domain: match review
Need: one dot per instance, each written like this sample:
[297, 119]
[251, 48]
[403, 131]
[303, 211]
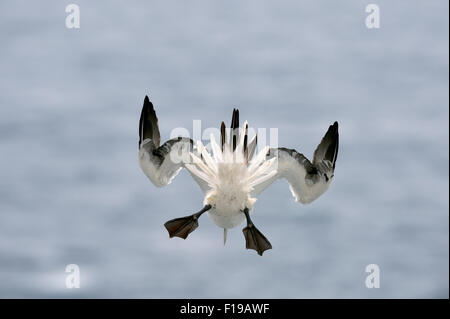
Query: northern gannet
[233, 176]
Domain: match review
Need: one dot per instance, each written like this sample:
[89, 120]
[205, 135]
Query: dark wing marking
[307, 180]
[161, 152]
[299, 157]
[148, 124]
[155, 160]
[328, 147]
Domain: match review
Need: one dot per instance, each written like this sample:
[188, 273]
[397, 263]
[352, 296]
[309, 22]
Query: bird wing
[307, 181]
[161, 163]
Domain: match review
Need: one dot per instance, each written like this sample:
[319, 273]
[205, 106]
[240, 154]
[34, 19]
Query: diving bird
[233, 174]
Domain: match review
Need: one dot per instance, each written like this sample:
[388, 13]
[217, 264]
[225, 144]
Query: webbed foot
[183, 226]
[254, 239]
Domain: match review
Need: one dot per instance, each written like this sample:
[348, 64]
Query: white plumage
[230, 179]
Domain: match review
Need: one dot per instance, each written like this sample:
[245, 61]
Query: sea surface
[71, 190]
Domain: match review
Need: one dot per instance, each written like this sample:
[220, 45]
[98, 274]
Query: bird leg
[253, 237]
[182, 227]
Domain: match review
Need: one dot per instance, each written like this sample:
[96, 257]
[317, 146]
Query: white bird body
[231, 180]
[230, 176]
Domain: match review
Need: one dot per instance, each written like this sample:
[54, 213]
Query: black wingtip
[329, 146]
[333, 127]
[332, 152]
[148, 123]
[336, 125]
[333, 130]
[148, 105]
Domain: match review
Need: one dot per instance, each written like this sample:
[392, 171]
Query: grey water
[71, 190]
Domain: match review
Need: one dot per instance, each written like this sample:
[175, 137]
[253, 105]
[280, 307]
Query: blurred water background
[71, 190]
